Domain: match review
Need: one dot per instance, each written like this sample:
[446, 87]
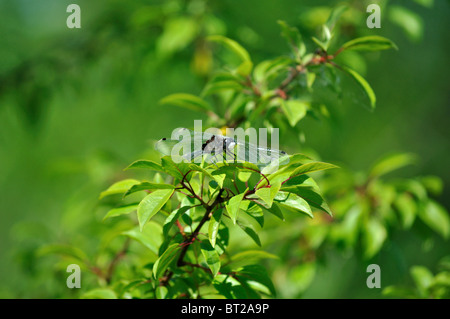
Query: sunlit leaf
[369, 43]
[363, 84]
[211, 257]
[293, 202]
[214, 224]
[122, 210]
[233, 204]
[151, 204]
[188, 101]
[119, 187]
[436, 217]
[164, 261]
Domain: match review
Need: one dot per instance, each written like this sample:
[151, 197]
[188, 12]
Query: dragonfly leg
[230, 153]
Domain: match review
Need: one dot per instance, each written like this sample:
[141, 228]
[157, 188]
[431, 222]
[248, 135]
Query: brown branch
[119, 255]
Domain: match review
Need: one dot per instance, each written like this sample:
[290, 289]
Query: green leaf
[173, 217]
[293, 202]
[391, 163]
[249, 257]
[363, 84]
[322, 45]
[410, 22]
[99, 293]
[253, 210]
[213, 227]
[145, 164]
[425, 3]
[232, 45]
[222, 82]
[433, 184]
[164, 261]
[267, 69]
[284, 172]
[306, 188]
[369, 43]
[119, 187]
[229, 287]
[151, 204]
[335, 15]
[147, 186]
[293, 37]
[161, 292]
[257, 278]
[275, 210]
[196, 168]
[423, 278]
[248, 229]
[374, 236]
[295, 110]
[63, 250]
[233, 204]
[172, 168]
[188, 101]
[150, 236]
[267, 194]
[312, 167]
[211, 257]
[436, 217]
[122, 210]
[406, 208]
[178, 32]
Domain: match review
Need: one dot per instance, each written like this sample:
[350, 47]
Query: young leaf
[119, 187]
[122, 210]
[295, 202]
[211, 257]
[150, 236]
[363, 84]
[253, 210]
[151, 204]
[335, 14]
[257, 278]
[248, 257]
[310, 193]
[374, 236]
[267, 194]
[410, 22]
[423, 278]
[161, 292]
[145, 164]
[222, 82]
[406, 208]
[250, 231]
[391, 163]
[63, 250]
[436, 217]
[295, 110]
[233, 204]
[99, 293]
[232, 45]
[275, 210]
[311, 167]
[164, 261]
[369, 43]
[172, 218]
[147, 186]
[213, 227]
[188, 101]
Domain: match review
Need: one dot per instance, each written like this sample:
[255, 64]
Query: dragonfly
[218, 148]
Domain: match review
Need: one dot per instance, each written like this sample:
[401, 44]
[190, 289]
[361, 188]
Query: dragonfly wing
[165, 146]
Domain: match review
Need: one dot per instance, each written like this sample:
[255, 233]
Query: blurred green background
[79, 105]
